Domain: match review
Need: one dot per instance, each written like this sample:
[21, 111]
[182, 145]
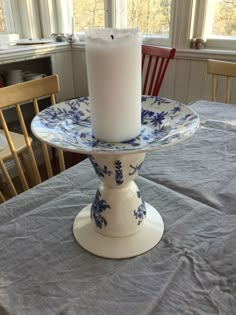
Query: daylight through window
[2, 19]
[150, 16]
[222, 19]
[88, 14]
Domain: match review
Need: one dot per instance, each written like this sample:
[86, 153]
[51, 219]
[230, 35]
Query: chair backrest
[21, 99]
[221, 68]
[155, 61]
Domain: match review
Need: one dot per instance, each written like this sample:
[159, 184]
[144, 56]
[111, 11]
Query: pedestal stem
[118, 223]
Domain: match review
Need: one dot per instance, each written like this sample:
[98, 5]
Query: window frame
[113, 19]
[151, 39]
[202, 30]
[48, 16]
[12, 20]
[22, 19]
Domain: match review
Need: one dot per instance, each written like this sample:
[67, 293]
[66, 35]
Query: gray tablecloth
[191, 271]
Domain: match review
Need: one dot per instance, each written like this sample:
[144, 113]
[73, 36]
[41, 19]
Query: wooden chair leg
[54, 158]
[8, 180]
[47, 160]
[61, 160]
[28, 169]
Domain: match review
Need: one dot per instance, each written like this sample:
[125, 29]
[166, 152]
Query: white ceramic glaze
[35, 41]
[67, 125]
[118, 247]
[33, 76]
[118, 224]
[118, 209]
[14, 76]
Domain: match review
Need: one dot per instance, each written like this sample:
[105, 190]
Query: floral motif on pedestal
[135, 168]
[98, 207]
[141, 212]
[101, 172]
[119, 172]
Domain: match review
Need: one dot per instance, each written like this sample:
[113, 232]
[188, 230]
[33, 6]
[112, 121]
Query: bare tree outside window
[2, 19]
[150, 16]
[88, 14]
[224, 23]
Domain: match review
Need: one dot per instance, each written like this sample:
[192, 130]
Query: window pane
[150, 16]
[2, 19]
[224, 18]
[88, 14]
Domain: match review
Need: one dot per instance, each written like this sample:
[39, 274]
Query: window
[141, 14]
[152, 17]
[88, 14]
[2, 19]
[222, 19]
[217, 23]
[9, 19]
[161, 22]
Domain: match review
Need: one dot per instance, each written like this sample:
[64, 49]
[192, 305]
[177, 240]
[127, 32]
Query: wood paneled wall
[186, 79]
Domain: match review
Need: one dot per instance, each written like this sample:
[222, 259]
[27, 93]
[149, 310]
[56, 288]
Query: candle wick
[112, 37]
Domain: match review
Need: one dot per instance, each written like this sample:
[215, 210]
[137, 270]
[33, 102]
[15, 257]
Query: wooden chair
[221, 68]
[19, 148]
[155, 61]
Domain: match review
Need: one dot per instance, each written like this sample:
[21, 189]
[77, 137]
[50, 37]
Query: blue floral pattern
[68, 125]
[141, 212]
[119, 172]
[135, 168]
[101, 172]
[98, 207]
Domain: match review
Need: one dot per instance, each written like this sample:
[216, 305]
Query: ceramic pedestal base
[118, 224]
[118, 247]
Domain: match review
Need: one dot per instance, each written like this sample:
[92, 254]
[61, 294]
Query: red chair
[155, 61]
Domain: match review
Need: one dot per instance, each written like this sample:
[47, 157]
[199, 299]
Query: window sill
[14, 53]
[204, 54]
[7, 38]
[189, 54]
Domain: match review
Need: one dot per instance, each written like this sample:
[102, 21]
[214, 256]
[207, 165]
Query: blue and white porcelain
[118, 223]
[68, 125]
[118, 209]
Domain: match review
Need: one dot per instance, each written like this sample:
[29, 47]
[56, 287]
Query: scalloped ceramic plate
[67, 125]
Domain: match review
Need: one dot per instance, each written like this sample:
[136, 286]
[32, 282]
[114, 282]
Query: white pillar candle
[113, 58]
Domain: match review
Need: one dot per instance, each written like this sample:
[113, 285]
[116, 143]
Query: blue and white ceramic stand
[118, 223]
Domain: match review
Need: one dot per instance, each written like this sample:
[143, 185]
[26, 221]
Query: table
[191, 271]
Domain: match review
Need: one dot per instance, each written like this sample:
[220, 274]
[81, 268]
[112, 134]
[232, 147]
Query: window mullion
[200, 18]
[64, 11]
[48, 17]
[108, 13]
[29, 18]
[181, 23]
[8, 16]
[12, 17]
[120, 12]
